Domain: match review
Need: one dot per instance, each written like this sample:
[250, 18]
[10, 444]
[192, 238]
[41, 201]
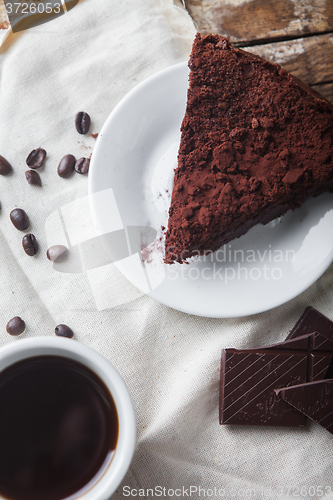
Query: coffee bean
[15, 326]
[64, 331]
[33, 177]
[20, 219]
[82, 165]
[30, 245]
[36, 158]
[5, 166]
[82, 122]
[54, 252]
[66, 166]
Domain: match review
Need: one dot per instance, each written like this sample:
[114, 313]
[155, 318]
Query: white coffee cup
[19, 350]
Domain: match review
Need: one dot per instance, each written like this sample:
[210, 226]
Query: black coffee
[58, 428]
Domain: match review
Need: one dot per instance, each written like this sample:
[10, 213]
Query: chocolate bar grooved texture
[314, 399]
[247, 382]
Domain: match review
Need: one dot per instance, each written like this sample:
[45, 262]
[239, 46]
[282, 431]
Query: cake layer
[255, 142]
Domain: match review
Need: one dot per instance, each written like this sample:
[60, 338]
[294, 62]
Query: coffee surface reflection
[58, 429]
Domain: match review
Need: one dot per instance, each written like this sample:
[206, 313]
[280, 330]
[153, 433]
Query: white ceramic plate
[130, 183]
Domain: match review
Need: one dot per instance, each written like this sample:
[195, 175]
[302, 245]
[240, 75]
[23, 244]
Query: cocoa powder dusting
[254, 143]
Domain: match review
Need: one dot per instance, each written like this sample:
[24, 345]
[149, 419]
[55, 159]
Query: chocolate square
[248, 378]
[313, 399]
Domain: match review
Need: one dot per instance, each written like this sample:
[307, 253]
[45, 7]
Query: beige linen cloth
[88, 60]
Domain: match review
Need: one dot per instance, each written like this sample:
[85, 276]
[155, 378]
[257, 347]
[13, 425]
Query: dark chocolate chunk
[19, 219]
[248, 378]
[312, 321]
[5, 166]
[33, 177]
[66, 166]
[82, 122]
[36, 158]
[30, 245]
[82, 165]
[64, 331]
[15, 326]
[313, 399]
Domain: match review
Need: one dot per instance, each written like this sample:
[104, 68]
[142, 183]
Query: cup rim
[44, 346]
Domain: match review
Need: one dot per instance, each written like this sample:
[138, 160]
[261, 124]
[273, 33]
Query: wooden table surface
[298, 34]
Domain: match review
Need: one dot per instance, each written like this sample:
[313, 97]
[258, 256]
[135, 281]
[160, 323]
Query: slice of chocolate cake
[255, 142]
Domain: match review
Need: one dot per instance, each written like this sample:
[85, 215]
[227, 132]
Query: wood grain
[310, 59]
[4, 24]
[245, 21]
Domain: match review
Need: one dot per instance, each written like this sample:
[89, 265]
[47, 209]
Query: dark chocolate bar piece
[313, 399]
[312, 321]
[320, 351]
[313, 341]
[248, 378]
[318, 366]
